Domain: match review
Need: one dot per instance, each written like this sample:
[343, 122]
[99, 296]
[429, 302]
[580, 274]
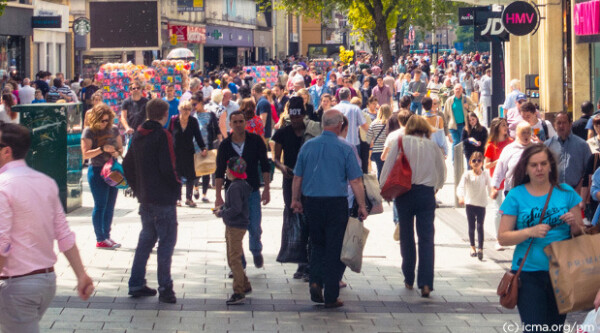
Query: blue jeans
[158, 223]
[416, 107]
[376, 157]
[419, 202]
[456, 136]
[105, 197]
[327, 218]
[254, 228]
[537, 304]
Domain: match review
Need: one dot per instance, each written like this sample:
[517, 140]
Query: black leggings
[189, 188]
[476, 213]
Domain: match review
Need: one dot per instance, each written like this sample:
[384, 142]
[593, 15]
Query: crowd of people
[322, 128]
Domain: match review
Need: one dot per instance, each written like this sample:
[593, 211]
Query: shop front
[263, 44]
[50, 46]
[190, 37]
[586, 15]
[227, 46]
[15, 33]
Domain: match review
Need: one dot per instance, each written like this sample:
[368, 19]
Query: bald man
[324, 167]
[27, 92]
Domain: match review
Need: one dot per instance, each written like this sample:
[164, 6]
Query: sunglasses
[135, 88]
[476, 161]
[104, 121]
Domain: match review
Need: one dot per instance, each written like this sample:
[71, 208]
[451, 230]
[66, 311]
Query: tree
[377, 17]
[2, 6]
[465, 35]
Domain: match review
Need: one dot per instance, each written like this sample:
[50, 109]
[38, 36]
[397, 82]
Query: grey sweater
[235, 211]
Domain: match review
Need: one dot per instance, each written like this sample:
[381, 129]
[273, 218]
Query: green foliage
[2, 6]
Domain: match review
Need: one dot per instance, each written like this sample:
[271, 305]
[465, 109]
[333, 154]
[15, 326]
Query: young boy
[235, 214]
[39, 98]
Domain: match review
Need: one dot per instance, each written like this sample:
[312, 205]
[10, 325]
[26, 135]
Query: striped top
[377, 135]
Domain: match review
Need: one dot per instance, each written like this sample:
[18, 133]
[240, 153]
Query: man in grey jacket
[417, 89]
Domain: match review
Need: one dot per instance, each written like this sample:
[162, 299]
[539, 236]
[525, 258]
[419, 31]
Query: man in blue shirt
[511, 98]
[323, 169]
[173, 103]
[263, 109]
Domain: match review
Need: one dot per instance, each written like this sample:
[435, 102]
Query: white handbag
[355, 239]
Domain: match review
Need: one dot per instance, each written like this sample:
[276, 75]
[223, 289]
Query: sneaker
[205, 200]
[190, 203]
[298, 275]
[259, 261]
[167, 296]
[178, 203]
[112, 243]
[236, 299]
[144, 292]
[196, 193]
[338, 303]
[498, 247]
[103, 245]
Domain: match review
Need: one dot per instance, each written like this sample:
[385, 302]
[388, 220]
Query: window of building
[59, 58]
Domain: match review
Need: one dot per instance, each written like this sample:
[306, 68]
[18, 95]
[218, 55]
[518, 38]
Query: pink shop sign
[586, 18]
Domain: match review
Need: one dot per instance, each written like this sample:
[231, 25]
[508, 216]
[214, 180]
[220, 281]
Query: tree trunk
[400, 32]
[382, 35]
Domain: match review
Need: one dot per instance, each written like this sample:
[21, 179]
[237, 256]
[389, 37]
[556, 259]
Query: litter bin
[56, 146]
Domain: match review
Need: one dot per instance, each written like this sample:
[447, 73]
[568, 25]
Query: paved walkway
[464, 298]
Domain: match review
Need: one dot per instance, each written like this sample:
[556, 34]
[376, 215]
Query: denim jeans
[419, 202]
[416, 107]
[456, 136]
[376, 157]
[537, 304]
[158, 223]
[105, 197]
[327, 218]
[254, 228]
[24, 300]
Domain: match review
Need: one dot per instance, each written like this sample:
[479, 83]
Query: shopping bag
[575, 272]
[373, 193]
[399, 180]
[591, 323]
[294, 240]
[354, 243]
[113, 174]
[205, 165]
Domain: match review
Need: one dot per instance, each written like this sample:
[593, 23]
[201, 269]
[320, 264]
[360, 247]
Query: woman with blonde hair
[100, 142]
[376, 135]
[428, 176]
[310, 109]
[96, 99]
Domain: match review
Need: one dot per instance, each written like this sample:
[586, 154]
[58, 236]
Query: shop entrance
[230, 57]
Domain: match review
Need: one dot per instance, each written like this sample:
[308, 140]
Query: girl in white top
[473, 189]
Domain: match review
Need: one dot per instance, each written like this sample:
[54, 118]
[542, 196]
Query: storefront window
[596, 72]
[11, 54]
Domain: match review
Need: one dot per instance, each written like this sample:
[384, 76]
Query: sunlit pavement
[464, 297]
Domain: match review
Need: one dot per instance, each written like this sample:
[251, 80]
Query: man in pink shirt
[31, 218]
[513, 116]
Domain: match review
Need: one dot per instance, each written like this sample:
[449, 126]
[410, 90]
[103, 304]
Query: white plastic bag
[591, 324]
[354, 243]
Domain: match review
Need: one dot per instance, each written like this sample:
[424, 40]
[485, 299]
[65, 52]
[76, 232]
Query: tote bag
[355, 238]
[205, 165]
[399, 180]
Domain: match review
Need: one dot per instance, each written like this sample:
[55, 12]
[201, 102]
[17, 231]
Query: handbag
[355, 238]
[113, 174]
[205, 165]
[508, 288]
[372, 194]
[400, 178]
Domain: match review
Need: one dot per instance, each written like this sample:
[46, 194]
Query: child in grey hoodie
[235, 214]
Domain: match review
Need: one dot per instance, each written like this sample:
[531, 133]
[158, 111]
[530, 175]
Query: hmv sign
[521, 18]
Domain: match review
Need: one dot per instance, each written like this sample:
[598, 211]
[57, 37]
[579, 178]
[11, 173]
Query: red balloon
[187, 67]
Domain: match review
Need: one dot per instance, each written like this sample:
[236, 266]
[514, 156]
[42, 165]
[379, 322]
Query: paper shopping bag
[205, 165]
[354, 243]
[575, 272]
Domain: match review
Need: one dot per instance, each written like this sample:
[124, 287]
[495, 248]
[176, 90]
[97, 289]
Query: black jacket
[255, 154]
[150, 166]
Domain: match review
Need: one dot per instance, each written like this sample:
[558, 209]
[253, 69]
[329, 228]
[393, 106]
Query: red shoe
[104, 246]
[112, 243]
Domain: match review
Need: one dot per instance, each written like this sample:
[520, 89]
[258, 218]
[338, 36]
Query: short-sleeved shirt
[457, 110]
[383, 95]
[173, 109]
[136, 111]
[291, 144]
[355, 120]
[492, 151]
[326, 164]
[528, 208]
[263, 106]
[572, 156]
[99, 139]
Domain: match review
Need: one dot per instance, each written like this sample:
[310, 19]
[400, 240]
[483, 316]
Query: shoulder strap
[382, 129]
[545, 127]
[541, 219]
[400, 146]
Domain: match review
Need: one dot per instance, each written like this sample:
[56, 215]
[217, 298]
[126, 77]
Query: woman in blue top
[535, 174]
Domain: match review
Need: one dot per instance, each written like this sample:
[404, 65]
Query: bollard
[459, 167]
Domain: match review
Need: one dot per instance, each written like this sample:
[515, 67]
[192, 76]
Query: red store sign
[188, 34]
